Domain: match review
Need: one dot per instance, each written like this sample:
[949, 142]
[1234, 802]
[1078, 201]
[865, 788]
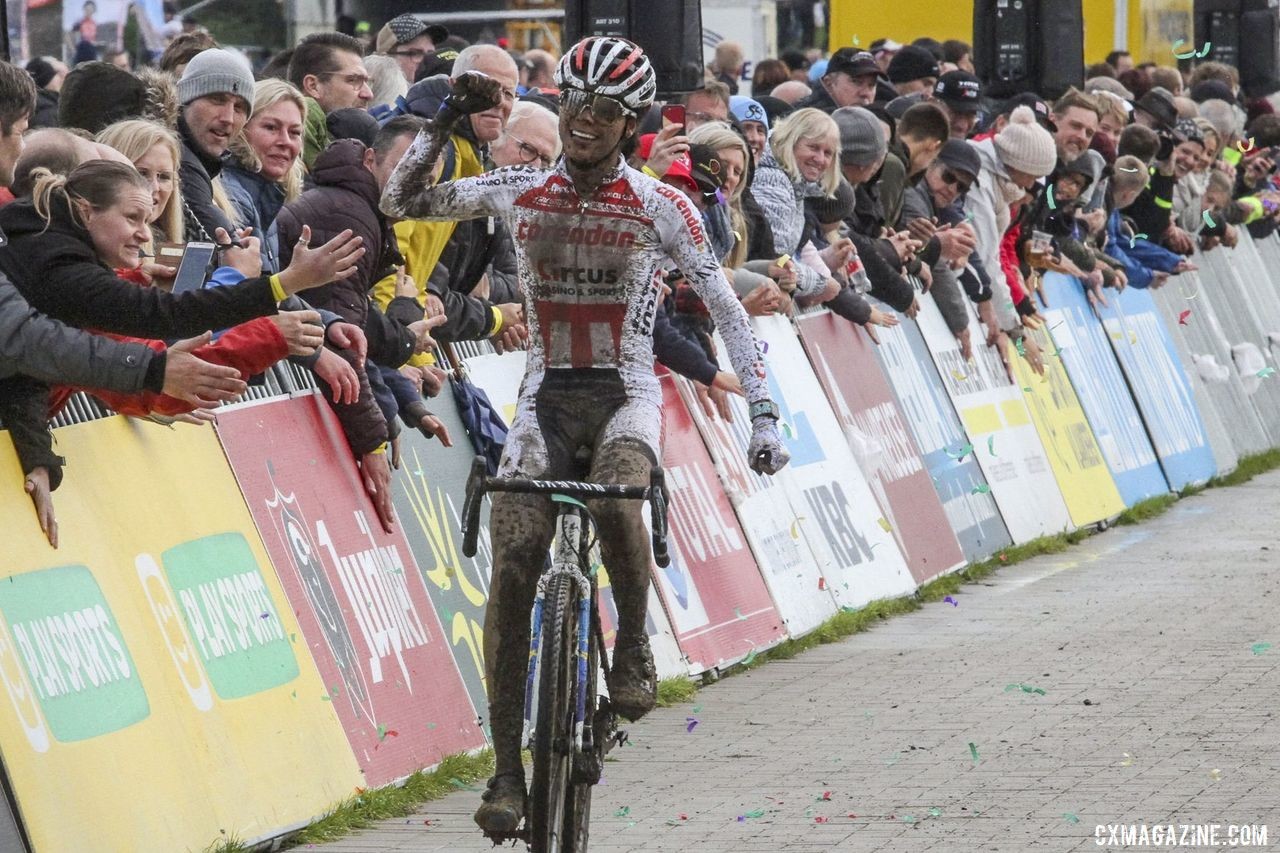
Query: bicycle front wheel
[552, 803]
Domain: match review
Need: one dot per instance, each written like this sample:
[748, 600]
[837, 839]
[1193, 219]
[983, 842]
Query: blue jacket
[257, 201]
[1140, 257]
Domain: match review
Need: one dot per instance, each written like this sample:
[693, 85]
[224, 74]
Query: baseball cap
[912, 63]
[1039, 108]
[855, 63]
[407, 27]
[960, 91]
[960, 156]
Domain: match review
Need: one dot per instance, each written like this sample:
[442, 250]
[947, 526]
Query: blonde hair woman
[265, 170]
[153, 150]
[802, 160]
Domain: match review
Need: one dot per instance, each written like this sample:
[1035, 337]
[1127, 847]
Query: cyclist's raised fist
[473, 92]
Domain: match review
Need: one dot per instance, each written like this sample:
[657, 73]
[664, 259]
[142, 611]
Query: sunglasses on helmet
[604, 108]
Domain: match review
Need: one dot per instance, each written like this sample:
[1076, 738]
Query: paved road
[1159, 706]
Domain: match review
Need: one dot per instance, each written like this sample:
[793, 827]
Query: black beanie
[41, 71]
[837, 208]
[97, 94]
[352, 123]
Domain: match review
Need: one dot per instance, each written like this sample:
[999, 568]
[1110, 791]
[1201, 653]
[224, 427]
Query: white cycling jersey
[587, 270]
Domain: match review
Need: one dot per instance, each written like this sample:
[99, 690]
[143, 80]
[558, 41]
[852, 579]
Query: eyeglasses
[698, 118]
[355, 81]
[528, 154]
[604, 108]
[950, 177]
[411, 52]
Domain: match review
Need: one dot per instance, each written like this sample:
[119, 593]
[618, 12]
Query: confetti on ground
[1025, 688]
[973, 750]
[892, 760]
[821, 819]
[754, 813]
[935, 812]
[1070, 818]
[692, 724]
[1215, 774]
[1259, 648]
[1126, 760]
[847, 609]
[822, 582]
[980, 489]
[991, 445]
[951, 600]
[884, 524]
[737, 611]
[1182, 317]
[462, 786]
[1265, 372]
[751, 655]
[622, 812]
[1208, 220]
[697, 709]
[910, 818]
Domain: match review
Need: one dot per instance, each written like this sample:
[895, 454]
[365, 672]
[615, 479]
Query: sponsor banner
[998, 428]
[714, 595]
[358, 591]
[858, 556]
[878, 436]
[1102, 390]
[154, 673]
[1073, 452]
[429, 491]
[1140, 340]
[779, 535]
[1206, 360]
[938, 432]
[500, 377]
[1247, 328]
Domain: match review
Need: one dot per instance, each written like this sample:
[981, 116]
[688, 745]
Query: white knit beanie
[1026, 146]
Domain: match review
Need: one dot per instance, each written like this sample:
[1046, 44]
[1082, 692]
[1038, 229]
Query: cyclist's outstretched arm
[686, 243]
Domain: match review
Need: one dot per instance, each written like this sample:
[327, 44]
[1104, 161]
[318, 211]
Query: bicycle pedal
[501, 838]
[620, 738]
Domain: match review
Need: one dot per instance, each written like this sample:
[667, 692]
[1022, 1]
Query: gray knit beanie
[1025, 145]
[214, 71]
[861, 136]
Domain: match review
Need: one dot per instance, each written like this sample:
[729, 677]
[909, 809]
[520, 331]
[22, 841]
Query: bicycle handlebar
[478, 483]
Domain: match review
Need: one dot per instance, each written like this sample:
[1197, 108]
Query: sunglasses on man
[605, 109]
[949, 177]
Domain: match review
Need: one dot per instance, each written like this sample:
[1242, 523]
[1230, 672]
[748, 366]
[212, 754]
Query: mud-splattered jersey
[587, 265]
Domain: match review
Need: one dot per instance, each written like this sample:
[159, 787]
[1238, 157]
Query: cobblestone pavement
[1159, 707]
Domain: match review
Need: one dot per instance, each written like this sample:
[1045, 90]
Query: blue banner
[1145, 351]
[1104, 395]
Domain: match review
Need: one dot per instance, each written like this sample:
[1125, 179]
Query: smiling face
[588, 141]
[158, 168]
[118, 232]
[734, 165]
[1076, 127]
[215, 119]
[275, 135]
[1186, 157]
[757, 137]
[813, 157]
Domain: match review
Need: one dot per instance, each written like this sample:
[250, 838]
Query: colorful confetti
[1070, 818]
[961, 453]
[751, 655]
[1192, 54]
[1136, 237]
[737, 612]
[1245, 149]
[692, 724]
[1266, 372]
[1182, 317]
[951, 600]
[1259, 648]
[958, 376]
[991, 445]
[1126, 760]
[622, 812]
[980, 489]
[1049, 195]
[1208, 220]
[1025, 688]
[973, 750]
[935, 812]
[462, 786]
[1215, 774]
[822, 582]
[884, 524]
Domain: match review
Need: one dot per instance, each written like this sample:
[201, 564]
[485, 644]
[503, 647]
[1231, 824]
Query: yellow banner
[157, 695]
[1082, 474]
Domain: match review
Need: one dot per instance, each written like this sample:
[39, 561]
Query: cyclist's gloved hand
[473, 92]
[765, 454]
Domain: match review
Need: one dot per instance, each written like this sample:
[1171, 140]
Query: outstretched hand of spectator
[301, 330]
[433, 379]
[375, 473]
[966, 344]
[312, 267]
[245, 256]
[433, 427]
[37, 486]
[340, 376]
[669, 144]
[422, 332]
[763, 300]
[191, 378]
[351, 337]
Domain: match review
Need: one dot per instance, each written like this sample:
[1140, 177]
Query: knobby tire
[552, 802]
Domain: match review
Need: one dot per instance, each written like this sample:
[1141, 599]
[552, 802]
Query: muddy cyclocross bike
[568, 727]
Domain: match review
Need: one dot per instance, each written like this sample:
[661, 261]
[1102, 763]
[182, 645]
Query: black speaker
[1028, 45]
[670, 31]
[1259, 53]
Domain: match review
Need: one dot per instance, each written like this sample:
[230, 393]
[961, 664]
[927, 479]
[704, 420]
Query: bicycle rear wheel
[551, 801]
[577, 820]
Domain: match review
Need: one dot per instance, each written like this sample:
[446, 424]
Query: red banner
[713, 592]
[358, 593]
[865, 405]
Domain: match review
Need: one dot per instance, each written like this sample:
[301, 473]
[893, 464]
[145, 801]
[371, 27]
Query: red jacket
[250, 348]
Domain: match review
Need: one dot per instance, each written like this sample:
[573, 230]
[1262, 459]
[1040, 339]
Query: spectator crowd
[857, 181]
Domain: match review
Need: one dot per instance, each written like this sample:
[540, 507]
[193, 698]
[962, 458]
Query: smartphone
[672, 114]
[194, 267]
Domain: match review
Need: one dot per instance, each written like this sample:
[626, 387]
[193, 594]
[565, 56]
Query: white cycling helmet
[609, 66]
